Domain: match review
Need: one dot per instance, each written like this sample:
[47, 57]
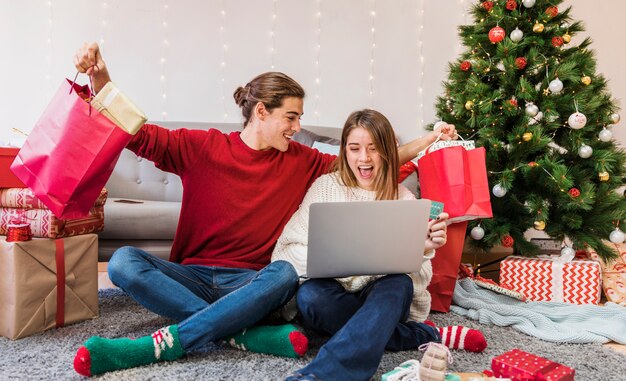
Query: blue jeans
[362, 325]
[209, 302]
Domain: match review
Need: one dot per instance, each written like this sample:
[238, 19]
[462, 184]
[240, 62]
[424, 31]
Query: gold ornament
[469, 105]
[546, 91]
[567, 38]
[540, 225]
[586, 80]
[538, 27]
[527, 136]
[604, 176]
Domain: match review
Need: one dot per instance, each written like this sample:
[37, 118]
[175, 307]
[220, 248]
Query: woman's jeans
[209, 303]
[362, 325]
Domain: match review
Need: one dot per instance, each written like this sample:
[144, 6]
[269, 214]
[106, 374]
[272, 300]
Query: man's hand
[89, 60]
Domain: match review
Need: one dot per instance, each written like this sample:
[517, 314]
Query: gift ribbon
[557, 281]
[60, 261]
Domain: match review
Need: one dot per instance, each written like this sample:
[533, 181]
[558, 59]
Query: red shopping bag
[446, 267]
[70, 153]
[457, 177]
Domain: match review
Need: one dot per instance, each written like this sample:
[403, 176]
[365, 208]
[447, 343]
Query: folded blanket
[550, 321]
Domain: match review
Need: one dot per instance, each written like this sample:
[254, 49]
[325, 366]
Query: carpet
[49, 355]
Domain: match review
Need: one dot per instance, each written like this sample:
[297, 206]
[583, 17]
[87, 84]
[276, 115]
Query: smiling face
[276, 127]
[363, 157]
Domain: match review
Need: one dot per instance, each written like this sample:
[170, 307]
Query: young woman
[364, 314]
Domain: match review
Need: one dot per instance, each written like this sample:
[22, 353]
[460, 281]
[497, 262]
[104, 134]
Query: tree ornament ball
[605, 135]
[555, 86]
[531, 109]
[577, 120]
[536, 119]
[520, 62]
[469, 105]
[617, 236]
[603, 176]
[586, 80]
[552, 11]
[477, 233]
[500, 66]
[568, 252]
[528, 3]
[557, 41]
[614, 118]
[585, 151]
[487, 5]
[511, 5]
[516, 35]
[507, 241]
[466, 65]
[527, 136]
[538, 27]
[574, 192]
[540, 225]
[496, 34]
[567, 38]
[498, 190]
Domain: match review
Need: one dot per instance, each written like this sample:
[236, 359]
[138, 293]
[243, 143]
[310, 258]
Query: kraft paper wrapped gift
[613, 273]
[116, 106]
[47, 283]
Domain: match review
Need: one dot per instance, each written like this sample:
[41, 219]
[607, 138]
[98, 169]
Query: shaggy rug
[49, 355]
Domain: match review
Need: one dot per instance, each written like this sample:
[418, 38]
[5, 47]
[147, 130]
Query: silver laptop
[366, 238]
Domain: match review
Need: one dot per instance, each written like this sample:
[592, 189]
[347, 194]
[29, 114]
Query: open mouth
[366, 171]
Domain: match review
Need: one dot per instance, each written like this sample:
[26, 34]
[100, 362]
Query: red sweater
[236, 200]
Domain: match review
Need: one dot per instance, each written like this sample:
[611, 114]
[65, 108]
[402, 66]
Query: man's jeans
[362, 325]
[208, 302]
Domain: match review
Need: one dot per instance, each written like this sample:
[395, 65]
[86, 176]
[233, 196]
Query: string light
[223, 63]
[163, 59]
[318, 16]
[420, 52]
[372, 51]
[103, 23]
[48, 55]
[273, 34]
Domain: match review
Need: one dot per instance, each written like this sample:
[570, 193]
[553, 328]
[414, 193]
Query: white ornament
[555, 86]
[498, 190]
[577, 120]
[536, 119]
[528, 3]
[538, 85]
[531, 109]
[500, 66]
[516, 35]
[605, 135]
[585, 151]
[614, 118]
[477, 233]
[616, 236]
[568, 252]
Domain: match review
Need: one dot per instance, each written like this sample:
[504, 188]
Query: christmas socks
[281, 340]
[459, 337]
[100, 355]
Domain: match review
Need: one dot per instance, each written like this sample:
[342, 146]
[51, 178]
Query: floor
[104, 282]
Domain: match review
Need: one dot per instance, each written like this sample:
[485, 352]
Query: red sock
[459, 337]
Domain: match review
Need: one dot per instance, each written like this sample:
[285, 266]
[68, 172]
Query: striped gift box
[540, 279]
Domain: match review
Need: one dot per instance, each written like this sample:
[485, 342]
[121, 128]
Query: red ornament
[466, 65]
[507, 241]
[487, 5]
[552, 11]
[574, 192]
[533, 164]
[511, 5]
[513, 102]
[557, 41]
[520, 62]
[496, 34]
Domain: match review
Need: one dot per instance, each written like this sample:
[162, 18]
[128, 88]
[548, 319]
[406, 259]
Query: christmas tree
[533, 99]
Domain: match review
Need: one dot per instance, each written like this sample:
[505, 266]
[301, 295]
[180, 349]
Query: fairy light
[273, 34]
[223, 63]
[318, 35]
[104, 23]
[163, 59]
[372, 51]
[420, 52]
[48, 54]
[462, 5]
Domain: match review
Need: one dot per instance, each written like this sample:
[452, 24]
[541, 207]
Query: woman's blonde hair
[384, 139]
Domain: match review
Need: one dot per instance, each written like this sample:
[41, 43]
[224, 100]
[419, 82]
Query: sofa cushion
[140, 219]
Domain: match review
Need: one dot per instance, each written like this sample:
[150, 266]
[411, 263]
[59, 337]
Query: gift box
[47, 283]
[613, 272]
[7, 178]
[523, 366]
[43, 223]
[542, 279]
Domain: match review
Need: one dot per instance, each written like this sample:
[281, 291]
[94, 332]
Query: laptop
[366, 237]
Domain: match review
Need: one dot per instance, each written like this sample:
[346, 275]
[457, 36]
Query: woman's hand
[448, 131]
[437, 233]
[89, 60]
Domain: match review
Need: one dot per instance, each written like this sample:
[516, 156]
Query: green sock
[280, 340]
[100, 355]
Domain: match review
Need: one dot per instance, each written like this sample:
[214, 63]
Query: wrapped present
[23, 198]
[523, 366]
[613, 273]
[47, 283]
[7, 178]
[44, 224]
[543, 279]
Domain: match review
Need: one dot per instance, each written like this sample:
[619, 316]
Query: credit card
[436, 208]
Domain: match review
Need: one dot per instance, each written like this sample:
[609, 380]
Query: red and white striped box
[540, 279]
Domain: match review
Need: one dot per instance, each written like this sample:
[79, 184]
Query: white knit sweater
[292, 243]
